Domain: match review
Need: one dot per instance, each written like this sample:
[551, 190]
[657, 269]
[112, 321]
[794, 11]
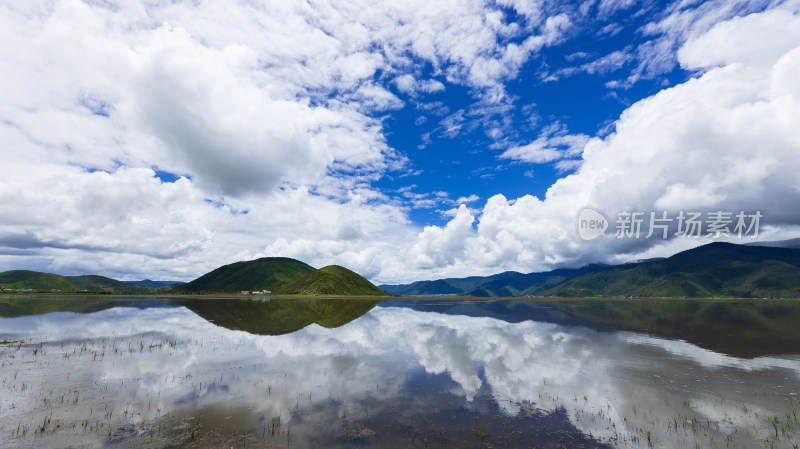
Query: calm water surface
[160, 372]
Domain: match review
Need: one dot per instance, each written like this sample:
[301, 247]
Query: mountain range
[46, 282]
[508, 283]
[277, 275]
[154, 284]
[713, 270]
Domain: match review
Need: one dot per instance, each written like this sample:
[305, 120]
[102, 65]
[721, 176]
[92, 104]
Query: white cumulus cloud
[724, 140]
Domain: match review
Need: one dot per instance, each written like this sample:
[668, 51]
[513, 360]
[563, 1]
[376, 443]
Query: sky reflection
[137, 367]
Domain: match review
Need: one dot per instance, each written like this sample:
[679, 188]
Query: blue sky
[466, 162]
[406, 140]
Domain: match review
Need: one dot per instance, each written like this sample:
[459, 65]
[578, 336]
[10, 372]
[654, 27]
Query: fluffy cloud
[725, 140]
[157, 95]
[438, 247]
[270, 115]
[554, 143]
[681, 22]
[410, 85]
[732, 41]
[269, 111]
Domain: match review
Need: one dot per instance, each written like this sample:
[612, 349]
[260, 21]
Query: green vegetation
[48, 282]
[529, 284]
[93, 282]
[24, 279]
[281, 275]
[267, 273]
[713, 270]
[278, 275]
[333, 280]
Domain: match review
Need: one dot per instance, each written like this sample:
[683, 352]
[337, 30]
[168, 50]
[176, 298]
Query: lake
[334, 373]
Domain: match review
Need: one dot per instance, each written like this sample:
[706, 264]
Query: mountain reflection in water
[315, 373]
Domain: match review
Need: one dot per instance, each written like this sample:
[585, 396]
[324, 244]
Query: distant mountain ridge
[508, 283]
[791, 243]
[44, 282]
[154, 284]
[713, 270]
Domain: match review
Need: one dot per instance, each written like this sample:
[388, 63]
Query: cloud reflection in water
[152, 364]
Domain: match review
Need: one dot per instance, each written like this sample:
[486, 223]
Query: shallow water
[160, 372]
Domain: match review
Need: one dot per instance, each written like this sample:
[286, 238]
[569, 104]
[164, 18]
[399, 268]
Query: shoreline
[383, 298]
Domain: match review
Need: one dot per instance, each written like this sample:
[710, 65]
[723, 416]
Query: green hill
[333, 280]
[93, 282]
[713, 270]
[46, 282]
[25, 279]
[267, 273]
[281, 275]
